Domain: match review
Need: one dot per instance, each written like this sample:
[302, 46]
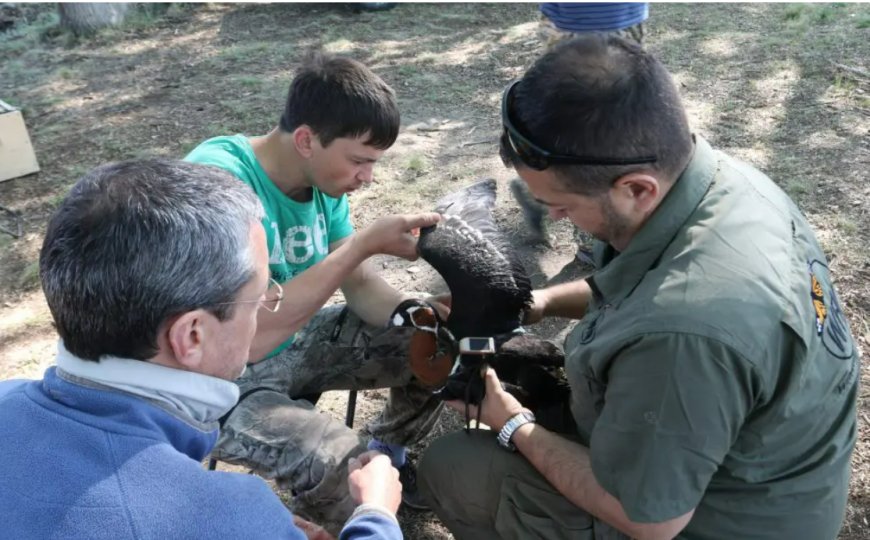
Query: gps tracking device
[477, 345]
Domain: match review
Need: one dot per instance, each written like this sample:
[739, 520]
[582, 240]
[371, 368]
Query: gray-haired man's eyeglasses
[269, 304]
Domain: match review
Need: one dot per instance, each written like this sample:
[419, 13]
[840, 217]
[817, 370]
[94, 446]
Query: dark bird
[490, 293]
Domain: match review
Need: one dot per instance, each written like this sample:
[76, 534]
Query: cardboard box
[16, 153]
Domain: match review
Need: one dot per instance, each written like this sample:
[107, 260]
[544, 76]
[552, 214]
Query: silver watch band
[507, 431]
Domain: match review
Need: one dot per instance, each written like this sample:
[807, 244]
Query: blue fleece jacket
[89, 462]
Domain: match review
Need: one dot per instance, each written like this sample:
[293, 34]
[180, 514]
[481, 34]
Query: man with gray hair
[154, 272]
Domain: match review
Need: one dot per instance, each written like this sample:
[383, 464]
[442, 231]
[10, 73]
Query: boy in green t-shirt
[338, 120]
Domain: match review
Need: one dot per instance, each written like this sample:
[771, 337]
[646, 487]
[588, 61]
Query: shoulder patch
[830, 321]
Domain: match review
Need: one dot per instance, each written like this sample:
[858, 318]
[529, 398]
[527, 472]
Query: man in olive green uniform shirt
[713, 373]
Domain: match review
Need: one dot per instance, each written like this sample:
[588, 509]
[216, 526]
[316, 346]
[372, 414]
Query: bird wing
[489, 286]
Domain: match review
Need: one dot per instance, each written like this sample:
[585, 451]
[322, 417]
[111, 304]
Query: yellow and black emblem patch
[819, 304]
[831, 323]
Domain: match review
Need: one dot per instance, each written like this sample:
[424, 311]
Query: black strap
[351, 396]
[339, 324]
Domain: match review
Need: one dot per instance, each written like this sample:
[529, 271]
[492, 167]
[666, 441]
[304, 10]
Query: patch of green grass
[237, 108]
[25, 36]
[863, 21]
[29, 276]
[249, 81]
[417, 164]
[341, 45]
[116, 148]
[846, 224]
[66, 73]
[844, 84]
[138, 17]
[222, 127]
[408, 70]
[20, 70]
[189, 143]
[55, 200]
[235, 53]
[73, 173]
[803, 16]
[797, 187]
[793, 12]
[824, 13]
[14, 47]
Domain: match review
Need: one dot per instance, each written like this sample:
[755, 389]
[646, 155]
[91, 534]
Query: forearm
[304, 295]
[567, 466]
[568, 300]
[370, 297]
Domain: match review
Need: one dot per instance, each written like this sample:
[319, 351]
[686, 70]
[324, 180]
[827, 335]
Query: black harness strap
[351, 396]
[223, 419]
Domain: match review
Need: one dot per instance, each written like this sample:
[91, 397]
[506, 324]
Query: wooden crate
[16, 153]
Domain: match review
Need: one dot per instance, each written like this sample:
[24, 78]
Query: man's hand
[536, 311]
[442, 304]
[312, 531]
[372, 479]
[497, 407]
[394, 235]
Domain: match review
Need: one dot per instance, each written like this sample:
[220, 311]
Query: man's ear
[186, 335]
[637, 192]
[303, 138]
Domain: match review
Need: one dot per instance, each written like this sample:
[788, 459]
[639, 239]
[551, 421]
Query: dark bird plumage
[490, 293]
[488, 283]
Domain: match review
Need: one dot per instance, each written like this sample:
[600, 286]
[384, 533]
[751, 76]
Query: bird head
[432, 348]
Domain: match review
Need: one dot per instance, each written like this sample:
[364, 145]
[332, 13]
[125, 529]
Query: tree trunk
[87, 18]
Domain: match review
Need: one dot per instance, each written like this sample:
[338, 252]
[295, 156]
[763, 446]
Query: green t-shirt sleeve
[673, 406]
[221, 152]
[339, 220]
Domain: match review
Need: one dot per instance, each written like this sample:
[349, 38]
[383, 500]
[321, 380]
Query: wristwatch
[507, 431]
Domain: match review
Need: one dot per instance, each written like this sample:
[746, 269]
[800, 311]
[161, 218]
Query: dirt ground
[784, 87]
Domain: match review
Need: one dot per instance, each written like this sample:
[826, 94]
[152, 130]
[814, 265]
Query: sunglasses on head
[535, 157]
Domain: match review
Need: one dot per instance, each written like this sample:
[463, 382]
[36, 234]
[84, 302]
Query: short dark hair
[601, 95]
[137, 242]
[340, 97]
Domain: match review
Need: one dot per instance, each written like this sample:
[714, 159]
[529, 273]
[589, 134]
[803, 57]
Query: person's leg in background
[560, 22]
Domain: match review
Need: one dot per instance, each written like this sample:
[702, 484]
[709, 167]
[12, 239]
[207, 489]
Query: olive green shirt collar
[621, 272]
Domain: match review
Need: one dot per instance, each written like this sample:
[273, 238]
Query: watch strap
[507, 431]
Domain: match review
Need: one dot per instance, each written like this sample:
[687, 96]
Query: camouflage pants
[285, 438]
[551, 36]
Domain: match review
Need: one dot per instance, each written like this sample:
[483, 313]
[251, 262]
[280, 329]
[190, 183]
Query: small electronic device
[477, 345]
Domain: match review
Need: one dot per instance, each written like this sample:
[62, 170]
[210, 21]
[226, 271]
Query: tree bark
[88, 17]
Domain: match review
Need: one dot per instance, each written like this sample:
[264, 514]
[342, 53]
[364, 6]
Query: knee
[451, 462]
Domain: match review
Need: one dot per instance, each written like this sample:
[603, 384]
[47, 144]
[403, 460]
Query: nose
[366, 173]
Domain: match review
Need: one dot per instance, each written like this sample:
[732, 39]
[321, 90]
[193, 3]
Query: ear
[637, 192]
[304, 138]
[186, 336]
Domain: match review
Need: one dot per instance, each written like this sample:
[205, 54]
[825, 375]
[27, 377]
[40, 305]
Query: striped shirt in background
[595, 17]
